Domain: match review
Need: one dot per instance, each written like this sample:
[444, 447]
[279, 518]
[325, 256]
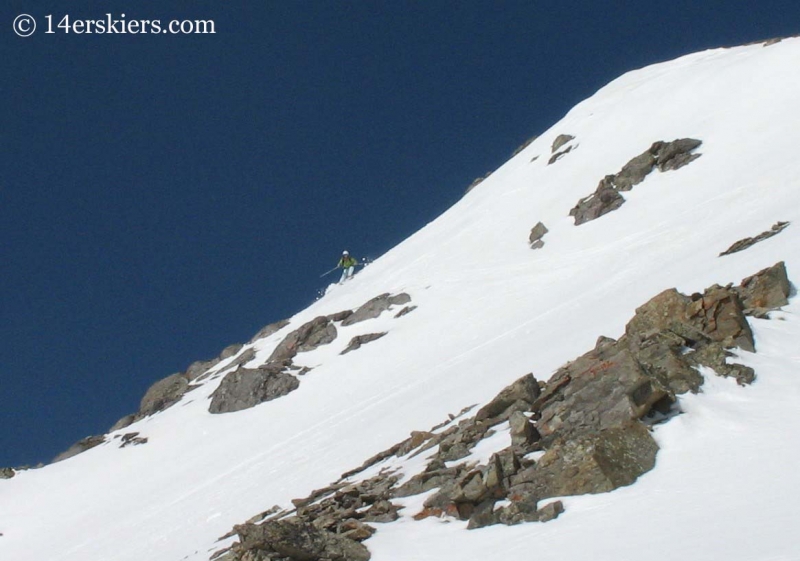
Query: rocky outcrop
[375, 307]
[293, 540]
[163, 394]
[587, 430]
[80, 447]
[319, 331]
[358, 340]
[524, 145]
[7, 473]
[245, 388]
[766, 290]
[536, 235]
[746, 243]
[663, 156]
[131, 439]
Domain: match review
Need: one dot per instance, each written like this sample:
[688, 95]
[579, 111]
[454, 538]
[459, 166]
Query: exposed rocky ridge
[248, 387]
[584, 431]
[663, 156]
[7, 473]
[746, 243]
[79, 447]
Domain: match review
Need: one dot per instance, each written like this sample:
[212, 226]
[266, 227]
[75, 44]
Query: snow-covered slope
[489, 309]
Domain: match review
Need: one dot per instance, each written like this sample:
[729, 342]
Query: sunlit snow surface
[490, 310]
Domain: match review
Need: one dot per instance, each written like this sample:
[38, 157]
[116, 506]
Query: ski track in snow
[490, 310]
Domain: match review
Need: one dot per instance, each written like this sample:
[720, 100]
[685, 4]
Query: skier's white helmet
[345, 252]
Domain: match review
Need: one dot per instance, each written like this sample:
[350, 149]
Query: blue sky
[164, 196]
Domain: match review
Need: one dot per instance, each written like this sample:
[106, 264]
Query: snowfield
[489, 309]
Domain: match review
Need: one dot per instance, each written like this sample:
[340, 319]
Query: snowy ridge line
[585, 431]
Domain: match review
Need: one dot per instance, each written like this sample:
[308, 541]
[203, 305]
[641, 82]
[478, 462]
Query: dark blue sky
[163, 196]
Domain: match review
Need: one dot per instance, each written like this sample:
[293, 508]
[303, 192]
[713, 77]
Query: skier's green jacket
[347, 261]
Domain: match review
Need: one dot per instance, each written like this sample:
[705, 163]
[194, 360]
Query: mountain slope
[489, 309]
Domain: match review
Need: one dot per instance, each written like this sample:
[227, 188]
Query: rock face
[663, 156]
[746, 243]
[560, 141]
[245, 388]
[537, 233]
[7, 473]
[375, 307]
[589, 425]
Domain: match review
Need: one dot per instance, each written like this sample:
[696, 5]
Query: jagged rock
[560, 141]
[163, 394]
[550, 511]
[768, 289]
[558, 155]
[294, 539]
[132, 439]
[746, 243]
[663, 156]
[404, 311]
[230, 350]
[356, 530]
[714, 356]
[593, 463]
[537, 233]
[597, 391]
[7, 473]
[604, 200]
[522, 430]
[525, 390]
[375, 307]
[245, 388]
[340, 316]
[319, 331]
[483, 515]
[80, 447]
[358, 340]
[268, 330]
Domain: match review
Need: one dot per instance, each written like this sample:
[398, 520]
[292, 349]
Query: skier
[348, 265]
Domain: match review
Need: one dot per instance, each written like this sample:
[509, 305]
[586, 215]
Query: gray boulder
[245, 388]
[523, 392]
[163, 394]
[604, 200]
[536, 235]
[375, 307]
[319, 331]
[560, 141]
[766, 290]
[7, 473]
[358, 340]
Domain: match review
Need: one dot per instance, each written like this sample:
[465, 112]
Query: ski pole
[329, 272]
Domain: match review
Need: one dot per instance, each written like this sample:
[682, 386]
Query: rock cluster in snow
[584, 431]
[663, 156]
